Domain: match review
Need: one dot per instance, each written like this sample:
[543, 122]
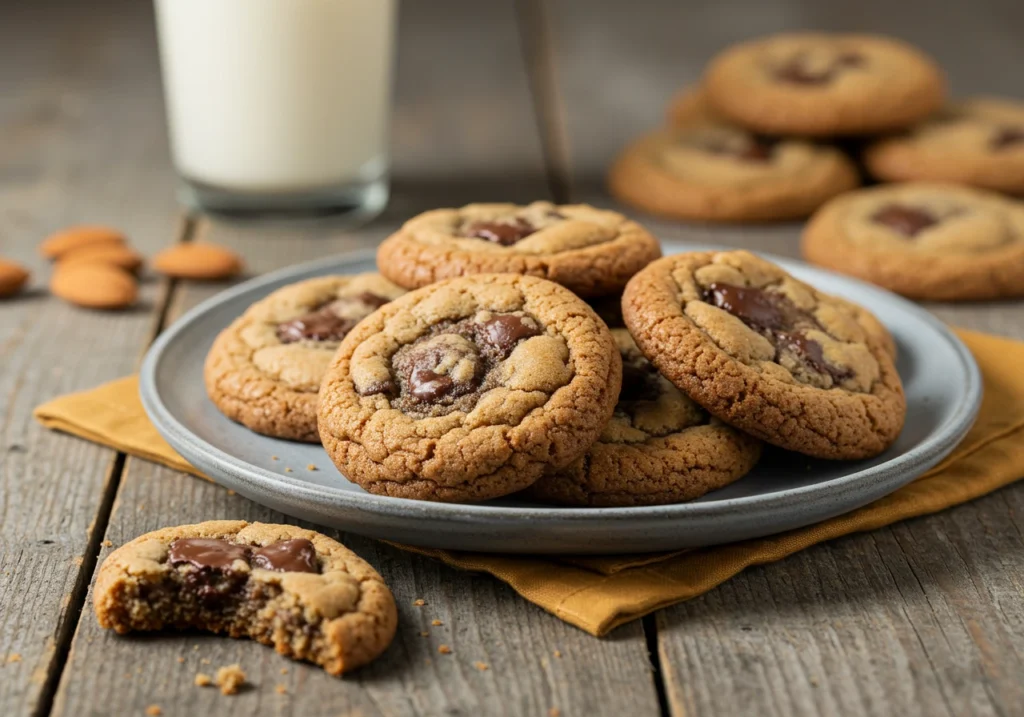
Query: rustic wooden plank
[83, 142]
[463, 132]
[923, 618]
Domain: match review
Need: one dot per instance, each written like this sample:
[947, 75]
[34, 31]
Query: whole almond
[197, 261]
[12, 277]
[119, 255]
[72, 238]
[96, 286]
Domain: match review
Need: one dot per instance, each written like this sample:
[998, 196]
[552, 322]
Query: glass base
[359, 202]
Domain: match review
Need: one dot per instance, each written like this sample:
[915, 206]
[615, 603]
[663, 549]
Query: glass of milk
[279, 105]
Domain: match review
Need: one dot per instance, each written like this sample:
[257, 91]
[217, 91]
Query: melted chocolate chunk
[756, 149]
[426, 385]
[1006, 137]
[908, 221]
[211, 553]
[505, 233]
[814, 355]
[326, 322]
[506, 330]
[380, 387]
[639, 383]
[287, 556]
[796, 71]
[754, 307]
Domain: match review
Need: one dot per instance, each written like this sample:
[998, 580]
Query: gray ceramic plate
[785, 491]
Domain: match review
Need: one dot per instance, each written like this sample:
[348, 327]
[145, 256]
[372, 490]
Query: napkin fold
[597, 594]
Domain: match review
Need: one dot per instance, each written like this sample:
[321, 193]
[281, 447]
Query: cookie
[690, 105]
[265, 369]
[591, 251]
[712, 171]
[469, 389]
[766, 353]
[821, 84]
[923, 240]
[978, 142]
[307, 595]
[659, 447]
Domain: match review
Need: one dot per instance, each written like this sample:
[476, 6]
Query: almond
[198, 261]
[59, 244]
[12, 278]
[119, 255]
[96, 286]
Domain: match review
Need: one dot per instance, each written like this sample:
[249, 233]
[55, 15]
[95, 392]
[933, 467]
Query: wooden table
[496, 100]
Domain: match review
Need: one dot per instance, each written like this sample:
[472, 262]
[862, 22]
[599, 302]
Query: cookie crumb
[79, 560]
[311, 467]
[287, 470]
[205, 661]
[558, 653]
[482, 666]
[436, 623]
[444, 650]
[230, 678]
[107, 544]
[203, 680]
[230, 492]
[424, 634]
[419, 602]
[284, 670]
[181, 660]
[554, 712]
[14, 657]
[195, 648]
[280, 689]
[274, 458]
[154, 711]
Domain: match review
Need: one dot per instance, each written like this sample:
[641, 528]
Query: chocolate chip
[373, 300]
[904, 219]
[426, 385]
[754, 149]
[327, 322]
[206, 553]
[1006, 137]
[754, 307]
[287, 556]
[796, 70]
[506, 330]
[505, 233]
[814, 354]
[639, 383]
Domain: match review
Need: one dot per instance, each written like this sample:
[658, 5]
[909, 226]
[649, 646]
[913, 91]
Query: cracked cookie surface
[302, 592]
[265, 369]
[659, 447]
[767, 353]
[979, 141]
[469, 389]
[591, 251]
[963, 243]
[821, 84]
[710, 170]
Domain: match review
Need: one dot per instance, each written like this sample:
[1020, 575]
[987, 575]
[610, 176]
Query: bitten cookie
[708, 170]
[591, 251]
[819, 84]
[265, 369]
[307, 595]
[978, 141]
[923, 240]
[767, 353]
[469, 389]
[660, 447]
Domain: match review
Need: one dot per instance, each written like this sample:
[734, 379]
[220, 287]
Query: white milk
[277, 96]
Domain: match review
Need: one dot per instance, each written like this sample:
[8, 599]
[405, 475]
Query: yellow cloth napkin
[600, 593]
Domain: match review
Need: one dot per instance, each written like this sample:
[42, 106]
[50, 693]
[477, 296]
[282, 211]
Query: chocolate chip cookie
[469, 389]
[978, 142]
[591, 251]
[265, 369]
[690, 105]
[708, 170]
[820, 84]
[659, 447]
[923, 240]
[767, 353]
[307, 595]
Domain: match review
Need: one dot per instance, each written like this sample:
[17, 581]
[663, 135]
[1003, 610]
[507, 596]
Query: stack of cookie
[494, 375]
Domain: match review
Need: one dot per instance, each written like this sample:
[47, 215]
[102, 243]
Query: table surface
[497, 100]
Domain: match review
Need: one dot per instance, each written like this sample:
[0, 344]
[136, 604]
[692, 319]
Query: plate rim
[913, 462]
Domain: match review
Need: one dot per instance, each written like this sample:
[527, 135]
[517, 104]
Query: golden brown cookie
[690, 105]
[469, 389]
[978, 142]
[659, 447]
[923, 240]
[821, 84]
[307, 595]
[708, 170]
[265, 369]
[767, 353]
[591, 251]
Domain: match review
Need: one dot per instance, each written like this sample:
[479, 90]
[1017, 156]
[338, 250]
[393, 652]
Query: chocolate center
[218, 556]
[798, 71]
[753, 149]
[506, 330]
[503, 232]
[1005, 137]
[287, 556]
[904, 219]
[332, 321]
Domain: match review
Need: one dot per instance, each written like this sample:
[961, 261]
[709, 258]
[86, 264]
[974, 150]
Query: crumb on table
[203, 679]
[14, 657]
[554, 712]
[311, 467]
[154, 710]
[419, 602]
[284, 670]
[280, 689]
[424, 634]
[558, 653]
[481, 666]
[436, 623]
[444, 650]
[230, 678]
[181, 660]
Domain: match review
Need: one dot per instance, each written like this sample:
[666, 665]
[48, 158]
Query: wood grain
[81, 121]
[922, 618]
[464, 132]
